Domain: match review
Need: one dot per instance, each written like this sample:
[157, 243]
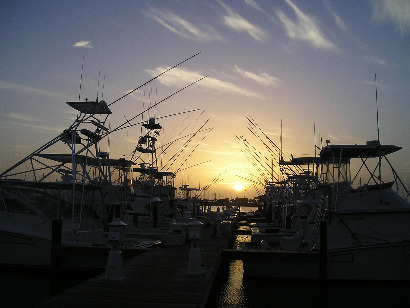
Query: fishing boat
[349, 233]
[71, 179]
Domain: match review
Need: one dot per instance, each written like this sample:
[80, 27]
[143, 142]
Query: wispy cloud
[397, 11]
[253, 4]
[28, 90]
[84, 44]
[339, 21]
[180, 77]
[39, 127]
[182, 27]
[240, 24]
[377, 60]
[304, 29]
[19, 116]
[262, 78]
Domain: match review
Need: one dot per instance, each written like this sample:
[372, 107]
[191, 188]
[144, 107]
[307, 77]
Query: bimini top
[89, 107]
[370, 149]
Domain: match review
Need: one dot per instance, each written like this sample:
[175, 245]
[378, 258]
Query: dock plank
[156, 278]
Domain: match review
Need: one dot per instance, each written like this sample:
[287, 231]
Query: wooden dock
[156, 278]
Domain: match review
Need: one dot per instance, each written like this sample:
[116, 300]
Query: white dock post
[195, 259]
[115, 264]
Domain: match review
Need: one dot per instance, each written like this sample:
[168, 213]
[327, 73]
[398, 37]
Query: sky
[309, 65]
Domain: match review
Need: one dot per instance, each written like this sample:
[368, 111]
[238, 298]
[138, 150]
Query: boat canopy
[370, 149]
[89, 107]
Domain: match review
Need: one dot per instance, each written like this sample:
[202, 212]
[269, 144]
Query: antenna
[81, 79]
[102, 92]
[314, 136]
[377, 115]
[98, 83]
[281, 156]
[378, 138]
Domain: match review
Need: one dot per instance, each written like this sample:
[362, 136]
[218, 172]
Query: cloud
[40, 127]
[397, 11]
[19, 116]
[305, 29]
[339, 21]
[377, 60]
[28, 90]
[239, 24]
[262, 78]
[84, 44]
[182, 27]
[253, 4]
[181, 77]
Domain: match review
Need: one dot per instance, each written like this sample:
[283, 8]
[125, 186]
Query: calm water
[235, 290]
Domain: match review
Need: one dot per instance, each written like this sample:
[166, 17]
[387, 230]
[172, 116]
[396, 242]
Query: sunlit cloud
[304, 29]
[182, 27]
[19, 116]
[27, 90]
[262, 78]
[180, 77]
[240, 24]
[83, 44]
[397, 11]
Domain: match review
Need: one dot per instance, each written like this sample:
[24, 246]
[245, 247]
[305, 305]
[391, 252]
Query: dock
[156, 278]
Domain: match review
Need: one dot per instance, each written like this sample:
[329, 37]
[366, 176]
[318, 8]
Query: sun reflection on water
[233, 294]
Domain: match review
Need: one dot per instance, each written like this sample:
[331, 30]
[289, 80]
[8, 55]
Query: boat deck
[156, 278]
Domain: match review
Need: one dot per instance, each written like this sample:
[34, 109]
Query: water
[234, 290]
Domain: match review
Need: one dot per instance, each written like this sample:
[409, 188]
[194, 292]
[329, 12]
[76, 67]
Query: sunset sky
[305, 63]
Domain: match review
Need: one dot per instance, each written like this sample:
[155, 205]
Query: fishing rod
[167, 145]
[152, 79]
[190, 154]
[254, 153]
[270, 140]
[176, 139]
[256, 165]
[158, 118]
[274, 144]
[178, 153]
[214, 181]
[267, 161]
[121, 126]
[198, 164]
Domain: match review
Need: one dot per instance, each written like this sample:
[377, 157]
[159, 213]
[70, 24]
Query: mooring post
[115, 265]
[195, 260]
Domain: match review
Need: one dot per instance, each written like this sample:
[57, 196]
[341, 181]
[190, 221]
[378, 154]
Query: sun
[238, 186]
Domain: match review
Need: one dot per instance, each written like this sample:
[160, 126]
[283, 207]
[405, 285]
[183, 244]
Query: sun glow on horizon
[238, 186]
